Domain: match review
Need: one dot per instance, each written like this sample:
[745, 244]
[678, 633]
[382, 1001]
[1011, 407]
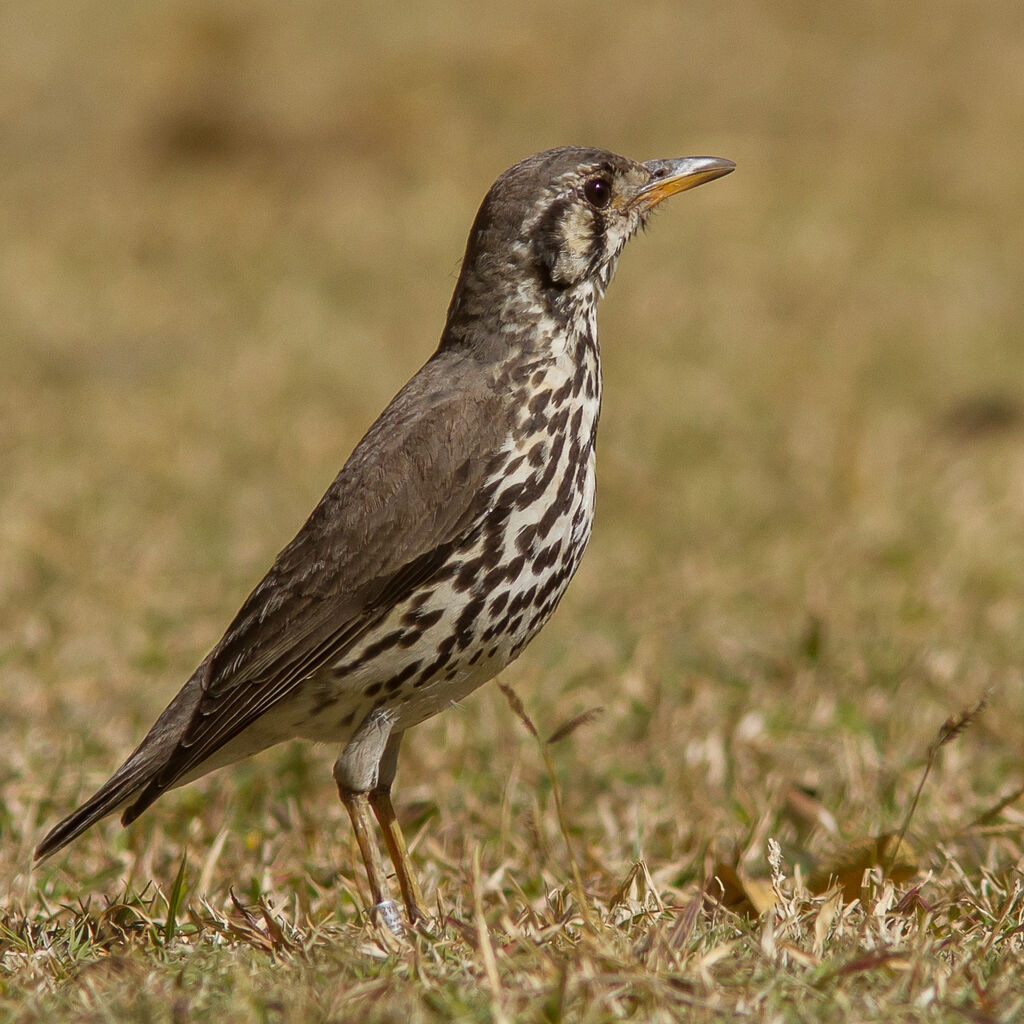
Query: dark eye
[598, 193]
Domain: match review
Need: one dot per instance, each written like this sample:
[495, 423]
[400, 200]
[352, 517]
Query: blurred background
[228, 234]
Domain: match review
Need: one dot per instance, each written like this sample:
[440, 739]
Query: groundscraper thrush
[452, 531]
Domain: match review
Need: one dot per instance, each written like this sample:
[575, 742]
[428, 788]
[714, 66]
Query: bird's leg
[380, 801]
[355, 773]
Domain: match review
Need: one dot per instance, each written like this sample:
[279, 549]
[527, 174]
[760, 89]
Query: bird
[451, 532]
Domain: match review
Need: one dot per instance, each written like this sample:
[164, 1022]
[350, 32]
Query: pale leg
[380, 801]
[356, 774]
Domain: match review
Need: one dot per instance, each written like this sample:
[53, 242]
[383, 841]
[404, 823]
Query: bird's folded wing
[410, 492]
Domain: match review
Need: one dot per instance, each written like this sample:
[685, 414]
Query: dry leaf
[847, 865]
[742, 894]
[809, 810]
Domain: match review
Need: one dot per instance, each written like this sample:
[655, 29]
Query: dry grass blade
[485, 946]
[683, 928]
[568, 728]
[517, 706]
[824, 918]
[875, 959]
[950, 729]
[248, 929]
[274, 929]
[986, 817]
[953, 726]
[624, 887]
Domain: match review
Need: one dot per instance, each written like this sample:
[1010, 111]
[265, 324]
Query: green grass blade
[174, 902]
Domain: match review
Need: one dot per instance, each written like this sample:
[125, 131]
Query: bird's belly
[454, 633]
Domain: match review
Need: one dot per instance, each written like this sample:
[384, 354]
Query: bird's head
[586, 204]
[549, 233]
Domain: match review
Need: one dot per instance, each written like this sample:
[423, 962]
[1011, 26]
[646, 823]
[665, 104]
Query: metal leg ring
[387, 911]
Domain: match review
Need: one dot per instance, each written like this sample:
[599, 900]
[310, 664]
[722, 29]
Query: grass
[229, 235]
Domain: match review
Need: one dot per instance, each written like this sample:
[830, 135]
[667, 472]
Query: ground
[229, 233]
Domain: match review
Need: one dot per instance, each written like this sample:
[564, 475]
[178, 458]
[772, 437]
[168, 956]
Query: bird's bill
[672, 176]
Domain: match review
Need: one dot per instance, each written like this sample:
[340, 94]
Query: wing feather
[411, 491]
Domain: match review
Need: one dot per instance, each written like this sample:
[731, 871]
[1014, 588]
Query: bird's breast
[503, 580]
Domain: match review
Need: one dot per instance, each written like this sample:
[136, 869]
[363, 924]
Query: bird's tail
[119, 789]
[134, 775]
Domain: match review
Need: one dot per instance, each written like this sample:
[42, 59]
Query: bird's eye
[598, 193]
